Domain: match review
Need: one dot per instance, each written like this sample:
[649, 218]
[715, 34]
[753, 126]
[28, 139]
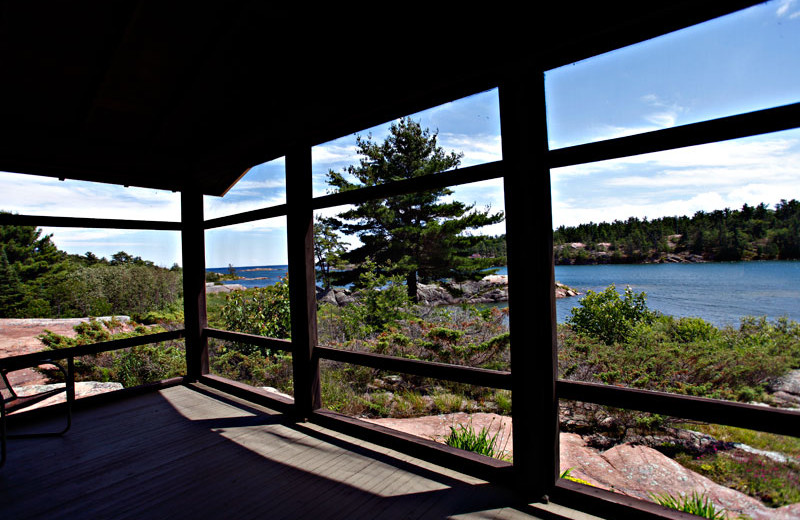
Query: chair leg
[2, 434]
[69, 377]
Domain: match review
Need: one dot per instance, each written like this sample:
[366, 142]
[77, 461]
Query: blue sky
[743, 62]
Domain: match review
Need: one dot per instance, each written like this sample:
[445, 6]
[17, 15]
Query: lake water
[255, 275]
[720, 293]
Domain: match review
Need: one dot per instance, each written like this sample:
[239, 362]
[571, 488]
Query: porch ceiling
[177, 95]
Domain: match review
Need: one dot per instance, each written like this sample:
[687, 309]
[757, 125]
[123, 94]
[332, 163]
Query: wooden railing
[35, 358]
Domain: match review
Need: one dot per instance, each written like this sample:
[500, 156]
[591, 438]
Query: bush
[252, 369]
[135, 290]
[131, 367]
[608, 316]
[382, 301]
[262, 311]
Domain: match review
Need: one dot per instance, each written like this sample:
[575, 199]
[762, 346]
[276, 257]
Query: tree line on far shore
[750, 233]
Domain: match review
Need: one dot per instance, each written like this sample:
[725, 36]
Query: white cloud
[662, 119]
[245, 184]
[477, 149]
[34, 195]
[214, 207]
[335, 152]
[784, 6]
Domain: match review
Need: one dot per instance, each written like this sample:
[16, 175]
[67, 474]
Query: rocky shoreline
[578, 253]
[490, 289]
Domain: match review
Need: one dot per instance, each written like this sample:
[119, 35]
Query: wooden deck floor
[191, 452]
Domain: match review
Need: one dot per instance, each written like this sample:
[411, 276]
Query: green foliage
[411, 235]
[468, 336]
[37, 280]
[382, 302]
[251, 367]
[261, 311]
[696, 504]
[759, 440]
[608, 316]
[148, 363]
[30, 265]
[131, 367]
[131, 288]
[328, 250]
[686, 356]
[567, 474]
[775, 484]
[465, 437]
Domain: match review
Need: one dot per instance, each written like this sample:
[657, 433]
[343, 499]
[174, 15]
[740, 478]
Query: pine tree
[416, 235]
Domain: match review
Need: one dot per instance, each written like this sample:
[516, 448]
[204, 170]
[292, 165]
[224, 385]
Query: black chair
[12, 402]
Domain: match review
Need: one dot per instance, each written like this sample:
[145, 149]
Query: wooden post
[194, 283]
[302, 280]
[531, 294]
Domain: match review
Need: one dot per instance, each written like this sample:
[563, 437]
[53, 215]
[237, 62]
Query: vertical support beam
[194, 283]
[531, 294]
[302, 280]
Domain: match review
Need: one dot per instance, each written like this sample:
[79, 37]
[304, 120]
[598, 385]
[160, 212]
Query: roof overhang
[189, 96]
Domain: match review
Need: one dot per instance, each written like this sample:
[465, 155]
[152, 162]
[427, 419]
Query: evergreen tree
[10, 286]
[328, 249]
[416, 235]
[31, 265]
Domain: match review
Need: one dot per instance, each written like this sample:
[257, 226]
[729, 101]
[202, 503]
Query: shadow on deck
[194, 452]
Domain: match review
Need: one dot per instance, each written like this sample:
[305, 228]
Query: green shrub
[609, 317]
[382, 301]
[131, 367]
[147, 364]
[262, 311]
[134, 290]
[253, 369]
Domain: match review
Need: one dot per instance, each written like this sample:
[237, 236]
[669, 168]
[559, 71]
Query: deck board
[192, 452]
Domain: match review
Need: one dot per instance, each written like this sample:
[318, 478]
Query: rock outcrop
[490, 289]
[212, 288]
[786, 390]
[629, 469]
[82, 389]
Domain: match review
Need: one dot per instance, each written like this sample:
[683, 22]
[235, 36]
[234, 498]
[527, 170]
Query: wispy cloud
[477, 149]
[787, 8]
[214, 207]
[35, 195]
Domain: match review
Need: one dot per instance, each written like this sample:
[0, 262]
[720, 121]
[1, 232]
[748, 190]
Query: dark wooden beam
[531, 285]
[302, 280]
[460, 374]
[755, 417]
[606, 26]
[246, 216]
[9, 219]
[194, 283]
[733, 127]
[37, 358]
[471, 463]
[249, 393]
[608, 504]
[271, 343]
[481, 172]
